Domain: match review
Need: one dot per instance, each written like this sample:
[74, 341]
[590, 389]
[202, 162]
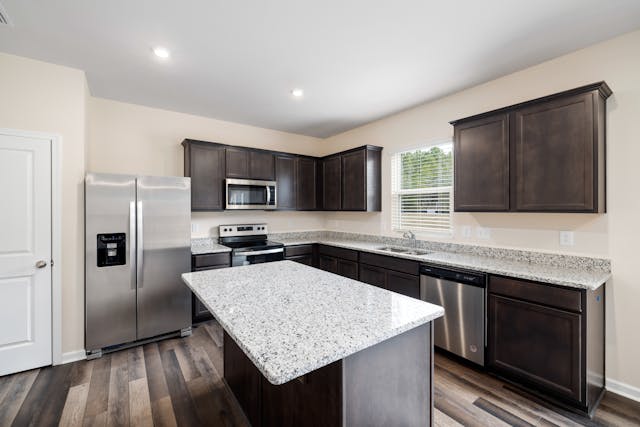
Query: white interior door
[25, 253]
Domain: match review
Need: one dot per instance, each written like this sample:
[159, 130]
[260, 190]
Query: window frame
[396, 193]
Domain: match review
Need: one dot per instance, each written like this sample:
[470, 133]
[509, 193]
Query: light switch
[567, 238]
[194, 227]
[465, 231]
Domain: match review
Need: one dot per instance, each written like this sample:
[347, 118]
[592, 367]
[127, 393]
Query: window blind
[421, 189]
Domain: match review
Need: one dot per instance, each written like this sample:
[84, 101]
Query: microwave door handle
[268, 195]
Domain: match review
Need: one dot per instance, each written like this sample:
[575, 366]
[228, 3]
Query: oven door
[250, 194]
[246, 257]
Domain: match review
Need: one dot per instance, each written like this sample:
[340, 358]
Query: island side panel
[391, 383]
[244, 380]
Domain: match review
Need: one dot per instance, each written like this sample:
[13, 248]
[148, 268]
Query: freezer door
[110, 282]
[164, 253]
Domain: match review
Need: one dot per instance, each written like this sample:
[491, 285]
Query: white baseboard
[73, 356]
[623, 389]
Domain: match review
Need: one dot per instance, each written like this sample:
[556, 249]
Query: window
[421, 189]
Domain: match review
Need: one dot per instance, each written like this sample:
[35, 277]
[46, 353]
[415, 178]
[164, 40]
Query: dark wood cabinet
[205, 164]
[556, 155]
[285, 182]
[482, 164]
[244, 380]
[361, 181]
[306, 187]
[546, 338]
[350, 180]
[544, 155]
[204, 262]
[304, 254]
[393, 280]
[261, 165]
[339, 261]
[332, 183]
[318, 393]
[237, 162]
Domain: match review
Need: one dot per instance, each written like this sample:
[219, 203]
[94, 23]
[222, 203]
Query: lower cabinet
[401, 282]
[547, 338]
[304, 254]
[339, 261]
[206, 262]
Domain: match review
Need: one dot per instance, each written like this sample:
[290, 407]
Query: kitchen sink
[407, 251]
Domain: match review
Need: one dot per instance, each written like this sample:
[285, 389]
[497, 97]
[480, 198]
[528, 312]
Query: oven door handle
[266, 251]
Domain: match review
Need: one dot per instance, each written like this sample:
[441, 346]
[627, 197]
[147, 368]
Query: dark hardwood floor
[179, 382]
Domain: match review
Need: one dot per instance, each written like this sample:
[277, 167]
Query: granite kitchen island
[307, 347]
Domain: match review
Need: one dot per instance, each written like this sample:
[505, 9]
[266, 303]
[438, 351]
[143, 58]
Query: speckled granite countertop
[291, 319]
[564, 276]
[207, 245]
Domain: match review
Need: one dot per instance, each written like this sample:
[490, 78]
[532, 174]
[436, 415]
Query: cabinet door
[371, 275]
[237, 162]
[354, 181]
[348, 269]
[535, 344]
[306, 189]
[481, 157]
[302, 259]
[555, 156]
[405, 284]
[205, 165]
[331, 183]
[261, 165]
[285, 182]
[328, 263]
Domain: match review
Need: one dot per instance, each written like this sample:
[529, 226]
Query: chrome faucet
[411, 236]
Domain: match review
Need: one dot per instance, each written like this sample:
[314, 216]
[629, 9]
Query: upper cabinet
[204, 163]
[544, 155]
[351, 180]
[306, 185]
[285, 181]
[250, 164]
[345, 181]
[331, 183]
[481, 150]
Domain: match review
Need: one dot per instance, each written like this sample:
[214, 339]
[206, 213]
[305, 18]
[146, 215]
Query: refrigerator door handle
[132, 243]
[140, 245]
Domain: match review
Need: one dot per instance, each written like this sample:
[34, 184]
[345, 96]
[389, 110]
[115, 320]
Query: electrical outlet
[567, 238]
[483, 233]
[194, 227]
[465, 231]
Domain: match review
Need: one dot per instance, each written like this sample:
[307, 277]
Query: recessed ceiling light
[298, 93]
[161, 52]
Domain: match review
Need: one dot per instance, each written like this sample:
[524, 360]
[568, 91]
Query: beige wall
[127, 138]
[42, 97]
[614, 234]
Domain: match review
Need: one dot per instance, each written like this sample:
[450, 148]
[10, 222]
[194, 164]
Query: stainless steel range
[249, 244]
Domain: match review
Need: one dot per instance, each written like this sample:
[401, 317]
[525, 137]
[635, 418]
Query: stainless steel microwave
[250, 194]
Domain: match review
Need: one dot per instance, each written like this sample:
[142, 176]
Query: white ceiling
[357, 60]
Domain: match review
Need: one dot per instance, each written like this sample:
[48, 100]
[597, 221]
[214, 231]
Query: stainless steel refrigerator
[137, 244]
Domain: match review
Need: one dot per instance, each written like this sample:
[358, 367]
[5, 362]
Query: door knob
[41, 264]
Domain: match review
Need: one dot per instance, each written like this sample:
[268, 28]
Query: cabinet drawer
[347, 254]
[303, 259]
[211, 260]
[566, 299]
[290, 251]
[392, 263]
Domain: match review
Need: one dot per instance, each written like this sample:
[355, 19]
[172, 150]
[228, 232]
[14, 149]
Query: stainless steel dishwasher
[462, 294]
